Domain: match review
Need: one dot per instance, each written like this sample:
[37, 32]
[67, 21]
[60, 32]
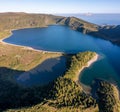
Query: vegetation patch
[66, 93]
[77, 62]
[61, 93]
[108, 100]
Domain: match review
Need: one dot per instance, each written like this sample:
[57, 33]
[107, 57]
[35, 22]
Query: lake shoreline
[25, 47]
[86, 88]
[97, 49]
[89, 63]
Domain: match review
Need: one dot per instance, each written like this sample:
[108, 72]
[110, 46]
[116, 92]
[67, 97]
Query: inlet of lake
[58, 38]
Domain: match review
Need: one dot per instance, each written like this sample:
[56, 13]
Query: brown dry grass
[47, 108]
[20, 58]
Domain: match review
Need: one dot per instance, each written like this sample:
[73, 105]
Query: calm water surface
[63, 39]
[44, 73]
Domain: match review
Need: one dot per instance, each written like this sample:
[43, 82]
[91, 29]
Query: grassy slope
[66, 101]
[15, 57]
[23, 20]
[108, 99]
[46, 108]
[4, 33]
[9, 21]
[19, 58]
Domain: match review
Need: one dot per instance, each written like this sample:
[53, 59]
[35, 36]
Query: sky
[60, 6]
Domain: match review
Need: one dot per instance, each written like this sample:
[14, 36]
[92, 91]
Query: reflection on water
[43, 73]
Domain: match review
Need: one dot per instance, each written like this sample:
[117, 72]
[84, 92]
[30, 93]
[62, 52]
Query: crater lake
[58, 38]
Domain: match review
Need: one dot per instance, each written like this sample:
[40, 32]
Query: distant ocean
[100, 19]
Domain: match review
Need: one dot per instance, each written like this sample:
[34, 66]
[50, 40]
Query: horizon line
[62, 13]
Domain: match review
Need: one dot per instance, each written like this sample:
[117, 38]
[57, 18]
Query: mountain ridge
[107, 32]
[20, 20]
[16, 21]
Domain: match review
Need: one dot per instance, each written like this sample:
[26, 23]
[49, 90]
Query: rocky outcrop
[79, 24]
[111, 33]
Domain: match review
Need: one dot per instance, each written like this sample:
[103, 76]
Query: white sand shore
[87, 89]
[24, 47]
[89, 63]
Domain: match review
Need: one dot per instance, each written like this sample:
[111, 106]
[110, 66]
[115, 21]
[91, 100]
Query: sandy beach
[24, 47]
[87, 89]
[89, 63]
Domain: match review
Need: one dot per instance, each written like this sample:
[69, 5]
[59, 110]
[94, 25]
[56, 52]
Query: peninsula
[64, 93]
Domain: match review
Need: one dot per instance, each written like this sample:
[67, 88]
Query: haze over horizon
[63, 6]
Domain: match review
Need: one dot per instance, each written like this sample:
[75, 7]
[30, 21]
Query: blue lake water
[44, 73]
[63, 39]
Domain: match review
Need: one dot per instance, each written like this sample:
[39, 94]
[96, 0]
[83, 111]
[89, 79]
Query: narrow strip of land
[89, 63]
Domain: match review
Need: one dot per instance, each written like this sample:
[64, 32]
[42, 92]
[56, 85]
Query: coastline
[87, 89]
[22, 46]
[89, 63]
[76, 78]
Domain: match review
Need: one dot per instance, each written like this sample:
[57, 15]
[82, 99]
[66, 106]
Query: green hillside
[63, 94]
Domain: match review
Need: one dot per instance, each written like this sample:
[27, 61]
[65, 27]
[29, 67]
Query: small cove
[62, 39]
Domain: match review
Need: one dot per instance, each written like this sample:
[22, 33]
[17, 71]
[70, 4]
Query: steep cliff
[111, 33]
